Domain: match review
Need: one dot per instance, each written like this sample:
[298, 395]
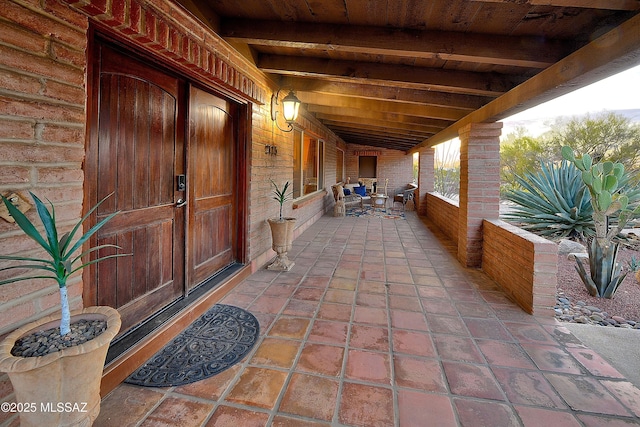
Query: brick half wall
[444, 214]
[523, 264]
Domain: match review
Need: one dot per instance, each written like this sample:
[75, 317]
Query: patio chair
[383, 190]
[405, 196]
[379, 199]
[343, 201]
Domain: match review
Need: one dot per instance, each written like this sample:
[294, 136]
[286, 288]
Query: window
[367, 166]
[308, 164]
[339, 165]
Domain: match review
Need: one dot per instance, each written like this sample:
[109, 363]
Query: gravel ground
[625, 302]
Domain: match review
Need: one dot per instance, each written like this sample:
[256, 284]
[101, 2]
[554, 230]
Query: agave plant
[553, 202]
[280, 195]
[608, 199]
[634, 264]
[62, 258]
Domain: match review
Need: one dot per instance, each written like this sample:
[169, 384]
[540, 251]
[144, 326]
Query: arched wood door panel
[136, 149]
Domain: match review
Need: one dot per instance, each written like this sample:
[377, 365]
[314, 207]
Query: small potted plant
[58, 360]
[281, 231]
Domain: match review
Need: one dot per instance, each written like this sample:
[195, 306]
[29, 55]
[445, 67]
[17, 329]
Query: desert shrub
[447, 170]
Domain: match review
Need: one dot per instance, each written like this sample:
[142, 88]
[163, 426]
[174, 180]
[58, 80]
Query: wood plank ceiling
[394, 73]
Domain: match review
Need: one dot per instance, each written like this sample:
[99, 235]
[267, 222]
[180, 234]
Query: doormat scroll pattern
[212, 343]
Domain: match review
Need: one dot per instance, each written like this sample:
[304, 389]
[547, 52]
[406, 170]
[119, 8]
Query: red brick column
[479, 187]
[426, 178]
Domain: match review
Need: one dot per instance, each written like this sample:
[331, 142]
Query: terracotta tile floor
[378, 325]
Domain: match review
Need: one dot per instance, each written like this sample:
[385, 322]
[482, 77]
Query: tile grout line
[335, 420]
[392, 373]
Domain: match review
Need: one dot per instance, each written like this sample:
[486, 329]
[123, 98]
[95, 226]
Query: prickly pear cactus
[607, 199]
[602, 180]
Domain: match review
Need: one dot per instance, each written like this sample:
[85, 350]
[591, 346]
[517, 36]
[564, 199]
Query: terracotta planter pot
[638, 276]
[62, 388]
[281, 240]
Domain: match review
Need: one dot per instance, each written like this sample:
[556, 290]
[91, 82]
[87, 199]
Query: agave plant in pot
[55, 364]
[281, 231]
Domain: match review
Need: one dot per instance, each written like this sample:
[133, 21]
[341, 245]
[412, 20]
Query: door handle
[180, 203]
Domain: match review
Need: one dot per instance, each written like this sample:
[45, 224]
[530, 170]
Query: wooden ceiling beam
[529, 52]
[583, 4]
[339, 101]
[441, 80]
[360, 140]
[379, 136]
[405, 143]
[375, 115]
[359, 121]
[363, 136]
[368, 91]
[612, 53]
[378, 130]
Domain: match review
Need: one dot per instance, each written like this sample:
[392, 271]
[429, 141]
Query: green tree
[521, 155]
[604, 137]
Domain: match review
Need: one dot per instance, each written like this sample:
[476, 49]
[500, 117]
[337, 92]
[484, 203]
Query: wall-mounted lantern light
[290, 107]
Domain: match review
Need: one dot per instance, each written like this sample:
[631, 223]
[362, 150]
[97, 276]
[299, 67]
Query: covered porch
[378, 324]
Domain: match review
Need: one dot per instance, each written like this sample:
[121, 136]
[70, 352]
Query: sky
[618, 92]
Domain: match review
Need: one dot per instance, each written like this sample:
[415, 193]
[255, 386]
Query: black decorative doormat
[214, 342]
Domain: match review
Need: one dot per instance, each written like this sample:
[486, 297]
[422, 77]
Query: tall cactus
[607, 199]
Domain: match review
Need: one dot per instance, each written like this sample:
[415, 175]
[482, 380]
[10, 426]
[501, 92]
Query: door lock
[181, 182]
[180, 203]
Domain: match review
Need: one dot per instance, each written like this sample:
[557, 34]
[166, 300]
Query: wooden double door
[169, 153]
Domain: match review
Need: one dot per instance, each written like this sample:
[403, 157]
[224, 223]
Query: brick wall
[443, 213]
[42, 118]
[42, 137]
[523, 264]
[265, 167]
